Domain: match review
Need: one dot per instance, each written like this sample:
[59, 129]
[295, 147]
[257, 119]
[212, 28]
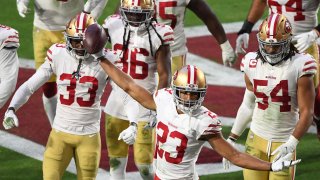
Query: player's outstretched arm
[226, 150]
[125, 82]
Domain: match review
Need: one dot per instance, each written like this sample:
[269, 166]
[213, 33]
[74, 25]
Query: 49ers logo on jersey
[253, 63]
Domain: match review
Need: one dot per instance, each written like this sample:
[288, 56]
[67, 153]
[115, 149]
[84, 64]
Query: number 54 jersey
[275, 87]
[178, 145]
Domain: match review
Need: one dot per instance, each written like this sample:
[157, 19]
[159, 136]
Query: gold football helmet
[274, 38]
[136, 12]
[75, 32]
[192, 81]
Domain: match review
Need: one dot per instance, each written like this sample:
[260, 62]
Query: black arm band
[318, 28]
[11, 108]
[246, 27]
[232, 138]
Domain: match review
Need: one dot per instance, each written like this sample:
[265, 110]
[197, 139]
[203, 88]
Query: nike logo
[91, 135]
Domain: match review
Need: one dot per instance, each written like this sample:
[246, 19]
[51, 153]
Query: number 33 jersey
[78, 108]
[275, 87]
[178, 144]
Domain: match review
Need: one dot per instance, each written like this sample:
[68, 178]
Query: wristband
[133, 124]
[246, 27]
[11, 108]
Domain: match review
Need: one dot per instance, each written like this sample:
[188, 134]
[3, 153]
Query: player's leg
[42, 41]
[256, 147]
[57, 155]
[314, 51]
[143, 151]
[177, 62]
[87, 156]
[287, 174]
[117, 150]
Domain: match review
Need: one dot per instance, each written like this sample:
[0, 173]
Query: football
[95, 38]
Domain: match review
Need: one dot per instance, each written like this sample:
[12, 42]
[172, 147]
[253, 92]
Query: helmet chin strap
[77, 74]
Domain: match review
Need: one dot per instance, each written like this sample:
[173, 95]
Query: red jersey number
[133, 63]
[68, 100]
[164, 15]
[163, 139]
[284, 98]
[291, 6]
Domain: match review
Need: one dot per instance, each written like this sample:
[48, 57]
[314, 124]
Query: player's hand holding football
[10, 119]
[129, 135]
[284, 163]
[95, 39]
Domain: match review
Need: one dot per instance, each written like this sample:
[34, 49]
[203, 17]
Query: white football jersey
[178, 144]
[171, 13]
[9, 37]
[275, 87]
[53, 15]
[78, 108]
[137, 61]
[301, 14]
[9, 62]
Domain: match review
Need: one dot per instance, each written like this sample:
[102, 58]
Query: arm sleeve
[132, 109]
[95, 7]
[244, 113]
[9, 68]
[24, 92]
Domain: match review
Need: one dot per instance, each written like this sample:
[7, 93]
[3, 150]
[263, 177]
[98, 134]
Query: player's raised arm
[95, 38]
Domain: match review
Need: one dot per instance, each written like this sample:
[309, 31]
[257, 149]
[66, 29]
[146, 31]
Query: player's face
[78, 45]
[272, 49]
[135, 18]
[187, 96]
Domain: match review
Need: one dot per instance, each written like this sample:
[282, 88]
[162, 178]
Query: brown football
[95, 38]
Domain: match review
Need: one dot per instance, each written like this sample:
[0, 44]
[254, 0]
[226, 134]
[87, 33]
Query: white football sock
[146, 171]
[50, 106]
[118, 168]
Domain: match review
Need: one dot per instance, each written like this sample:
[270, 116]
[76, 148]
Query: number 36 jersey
[138, 61]
[275, 87]
[178, 144]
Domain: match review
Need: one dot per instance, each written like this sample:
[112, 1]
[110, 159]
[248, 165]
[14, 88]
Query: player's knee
[117, 168]
[146, 171]
[49, 89]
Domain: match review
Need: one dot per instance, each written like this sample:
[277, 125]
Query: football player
[184, 125]
[172, 12]
[81, 82]
[279, 79]
[9, 62]
[303, 17]
[144, 49]
[50, 19]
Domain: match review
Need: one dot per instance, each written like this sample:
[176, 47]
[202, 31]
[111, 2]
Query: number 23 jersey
[275, 88]
[178, 144]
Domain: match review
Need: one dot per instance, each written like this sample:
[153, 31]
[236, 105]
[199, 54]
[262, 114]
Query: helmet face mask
[189, 88]
[137, 12]
[74, 35]
[274, 38]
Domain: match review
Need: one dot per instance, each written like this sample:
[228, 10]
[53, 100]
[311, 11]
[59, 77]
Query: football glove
[153, 121]
[22, 9]
[226, 163]
[287, 147]
[242, 39]
[283, 163]
[10, 120]
[305, 40]
[129, 135]
[228, 55]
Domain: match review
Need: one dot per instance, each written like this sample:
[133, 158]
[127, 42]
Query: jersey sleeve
[161, 94]
[110, 21]
[52, 54]
[165, 33]
[307, 66]
[9, 37]
[209, 124]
